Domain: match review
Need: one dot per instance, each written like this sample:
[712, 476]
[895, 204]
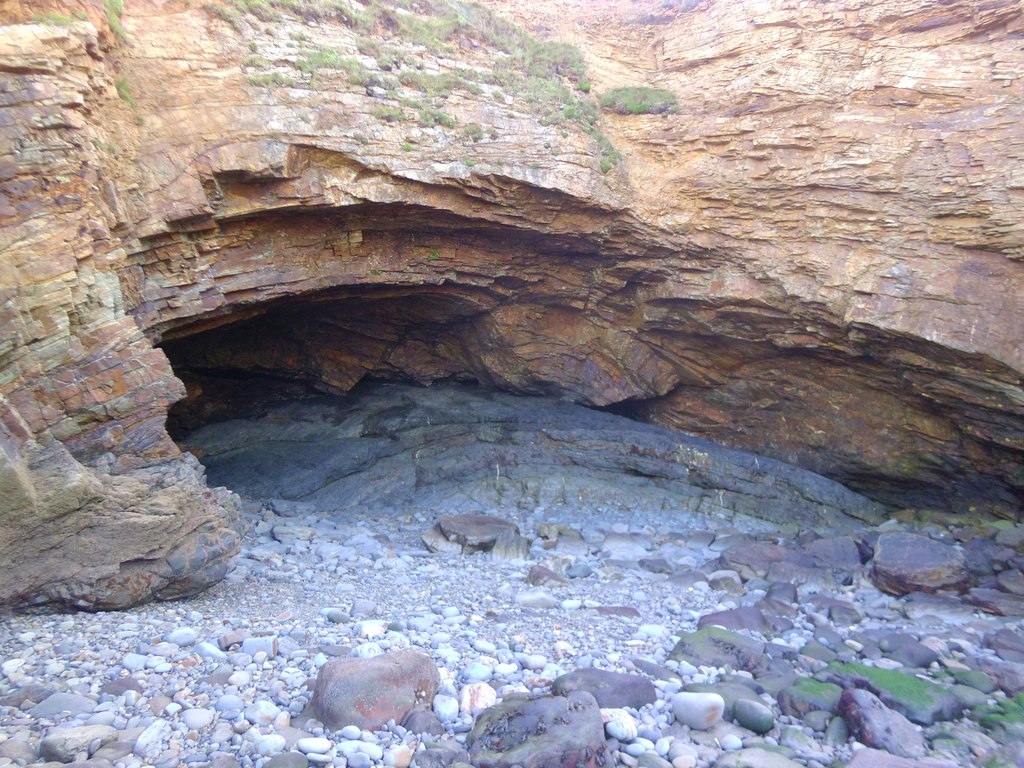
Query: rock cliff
[817, 255]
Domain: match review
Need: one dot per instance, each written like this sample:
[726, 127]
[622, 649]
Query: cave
[385, 381]
[372, 400]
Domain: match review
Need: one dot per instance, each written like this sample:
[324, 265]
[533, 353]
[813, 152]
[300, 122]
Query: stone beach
[612, 632]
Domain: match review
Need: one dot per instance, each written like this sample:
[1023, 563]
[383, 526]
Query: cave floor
[627, 547]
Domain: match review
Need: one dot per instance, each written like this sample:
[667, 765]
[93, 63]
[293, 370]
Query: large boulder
[369, 692]
[468, 533]
[64, 744]
[921, 701]
[909, 562]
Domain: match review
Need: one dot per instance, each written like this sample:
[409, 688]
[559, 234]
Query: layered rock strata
[817, 257]
[389, 449]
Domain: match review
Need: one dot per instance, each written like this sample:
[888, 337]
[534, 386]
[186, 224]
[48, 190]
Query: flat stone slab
[474, 532]
[462, 451]
[875, 758]
[63, 744]
[874, 724]
[56, 703]
[919, 700]
[755, 757]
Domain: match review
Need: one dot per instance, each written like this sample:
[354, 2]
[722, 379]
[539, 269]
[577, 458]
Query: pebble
[446, 707]
[270, 744]
[197, 719]
[261, 712]
[537, 598]
[314, 744]
[619, 724]
[229, 702]
[477, 697]
[183, 636]
[753, 715]
[699, 711]
[731, 741]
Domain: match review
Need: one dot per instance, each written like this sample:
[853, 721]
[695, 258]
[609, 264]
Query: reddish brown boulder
[909, 562]
[369, 692]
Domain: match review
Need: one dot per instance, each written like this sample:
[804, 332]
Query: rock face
[468, 451]
[816, 257]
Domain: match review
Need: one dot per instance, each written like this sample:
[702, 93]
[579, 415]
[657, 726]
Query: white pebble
[313, 744]
[700, 711]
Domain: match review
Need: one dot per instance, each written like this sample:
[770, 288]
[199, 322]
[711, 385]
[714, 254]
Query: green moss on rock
[809, 695]
[919, 700]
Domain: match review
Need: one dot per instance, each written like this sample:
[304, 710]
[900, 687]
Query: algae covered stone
[809, 695]
[1004, 720]
[540, 732]
[717, 647]
[755, 757]
[919, 700]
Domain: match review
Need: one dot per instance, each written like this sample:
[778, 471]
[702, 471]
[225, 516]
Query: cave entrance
[323, 345]
[322, 404]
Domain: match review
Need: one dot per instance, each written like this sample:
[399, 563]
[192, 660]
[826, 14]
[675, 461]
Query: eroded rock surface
[816, 257]
[472, 453]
